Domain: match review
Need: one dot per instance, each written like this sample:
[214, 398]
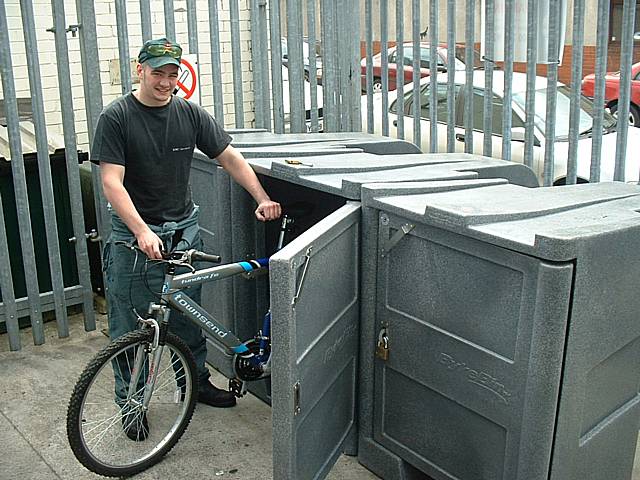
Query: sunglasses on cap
[168, 49]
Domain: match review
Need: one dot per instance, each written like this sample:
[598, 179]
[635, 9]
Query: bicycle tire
[96, 427]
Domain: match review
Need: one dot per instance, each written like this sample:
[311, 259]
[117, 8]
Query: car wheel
[634, 114]
[377, 85]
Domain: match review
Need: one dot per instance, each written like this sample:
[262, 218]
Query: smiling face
[156, 84]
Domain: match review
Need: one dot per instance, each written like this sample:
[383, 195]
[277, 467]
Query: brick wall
[564, 71]
[588, 62]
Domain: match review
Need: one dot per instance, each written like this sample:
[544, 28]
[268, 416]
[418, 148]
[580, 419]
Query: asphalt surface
[36, 384]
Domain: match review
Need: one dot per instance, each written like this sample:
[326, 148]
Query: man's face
[157, 84]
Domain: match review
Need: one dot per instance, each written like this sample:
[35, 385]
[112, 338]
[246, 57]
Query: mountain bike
[146, 381]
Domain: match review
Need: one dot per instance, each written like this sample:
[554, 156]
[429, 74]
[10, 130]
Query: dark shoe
[135, 425]
[210, 395]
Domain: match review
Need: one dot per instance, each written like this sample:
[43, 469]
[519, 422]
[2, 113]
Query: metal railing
[239, 49]
[539, 29]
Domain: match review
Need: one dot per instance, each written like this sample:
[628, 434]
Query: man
[144, 144]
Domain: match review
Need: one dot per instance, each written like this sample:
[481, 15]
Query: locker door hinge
[395, 238]
[306, 259]
[296, 398]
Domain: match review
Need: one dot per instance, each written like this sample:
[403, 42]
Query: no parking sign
[188, 87]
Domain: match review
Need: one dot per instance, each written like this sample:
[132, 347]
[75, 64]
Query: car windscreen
[425, 57]
[461, 56]
[563, 104]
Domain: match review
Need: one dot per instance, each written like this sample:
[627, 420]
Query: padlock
[382, 349]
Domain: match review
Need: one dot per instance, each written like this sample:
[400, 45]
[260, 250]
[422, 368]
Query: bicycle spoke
[109, 429]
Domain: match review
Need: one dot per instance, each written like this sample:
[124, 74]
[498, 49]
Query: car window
[305, 50]
[408, 100]
[563, 111]
[497, 105]
[425, 102]
[637, 77]
[425, 57]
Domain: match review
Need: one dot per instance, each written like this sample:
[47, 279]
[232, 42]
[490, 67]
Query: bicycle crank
[252, 365]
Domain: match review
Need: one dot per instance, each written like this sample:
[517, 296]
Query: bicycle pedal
[237, 387]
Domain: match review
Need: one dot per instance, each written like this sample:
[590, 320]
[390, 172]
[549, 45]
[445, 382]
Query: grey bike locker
[327, 181]
[307, 443]
[510, 322]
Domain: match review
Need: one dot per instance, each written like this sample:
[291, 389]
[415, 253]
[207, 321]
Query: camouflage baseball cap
[159, 52]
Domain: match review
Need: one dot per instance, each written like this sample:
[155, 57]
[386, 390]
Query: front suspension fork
[155, 353]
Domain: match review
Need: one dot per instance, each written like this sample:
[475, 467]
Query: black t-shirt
[155, 145]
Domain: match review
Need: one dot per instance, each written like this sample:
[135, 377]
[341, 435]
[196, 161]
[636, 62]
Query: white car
[306, 62]
[286, 103]
[561, 144]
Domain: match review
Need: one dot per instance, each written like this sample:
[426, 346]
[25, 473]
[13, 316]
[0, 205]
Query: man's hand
[234, 163]
[150, 244]
[268, 210]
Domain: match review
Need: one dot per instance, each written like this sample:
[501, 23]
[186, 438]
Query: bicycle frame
[172, 295]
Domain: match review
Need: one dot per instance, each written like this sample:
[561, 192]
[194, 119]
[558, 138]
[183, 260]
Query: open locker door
[315, 312]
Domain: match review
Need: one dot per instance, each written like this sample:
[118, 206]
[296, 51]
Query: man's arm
[118, 197]
[234, 163]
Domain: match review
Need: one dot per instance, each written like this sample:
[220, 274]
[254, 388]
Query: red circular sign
[187, 72]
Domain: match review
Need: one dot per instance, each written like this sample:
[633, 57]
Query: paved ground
[35, 388]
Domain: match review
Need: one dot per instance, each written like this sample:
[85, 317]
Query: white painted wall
[108, 51]
[461, 6]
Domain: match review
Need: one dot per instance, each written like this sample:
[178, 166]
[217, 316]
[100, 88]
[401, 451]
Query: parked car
[425, 67]
[560, 145]
[307, 102]
[305, 58]
[612, 92]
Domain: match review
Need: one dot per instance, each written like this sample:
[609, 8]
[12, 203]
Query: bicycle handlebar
[188, 256]
[295, 210]
[198, 256]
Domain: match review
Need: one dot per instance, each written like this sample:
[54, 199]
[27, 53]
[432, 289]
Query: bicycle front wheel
[111, 429]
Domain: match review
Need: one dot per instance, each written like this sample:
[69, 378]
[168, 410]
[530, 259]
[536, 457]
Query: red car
[612, 92]
[425, 55]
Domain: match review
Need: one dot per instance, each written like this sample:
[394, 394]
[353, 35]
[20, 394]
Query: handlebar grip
[206, 257]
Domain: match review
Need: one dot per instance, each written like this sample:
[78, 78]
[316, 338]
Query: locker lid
[297, 150]
[344, 175]
[549, 223]
[356, 139]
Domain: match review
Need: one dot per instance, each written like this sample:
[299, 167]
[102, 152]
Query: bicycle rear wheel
[106, 405]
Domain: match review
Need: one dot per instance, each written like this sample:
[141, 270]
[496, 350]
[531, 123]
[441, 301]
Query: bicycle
[115, 393]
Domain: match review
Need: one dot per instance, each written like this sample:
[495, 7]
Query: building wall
[565, 69]
[588, 62]
[108, 55]
[460, 14]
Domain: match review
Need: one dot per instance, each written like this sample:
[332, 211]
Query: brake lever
[179, 258]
